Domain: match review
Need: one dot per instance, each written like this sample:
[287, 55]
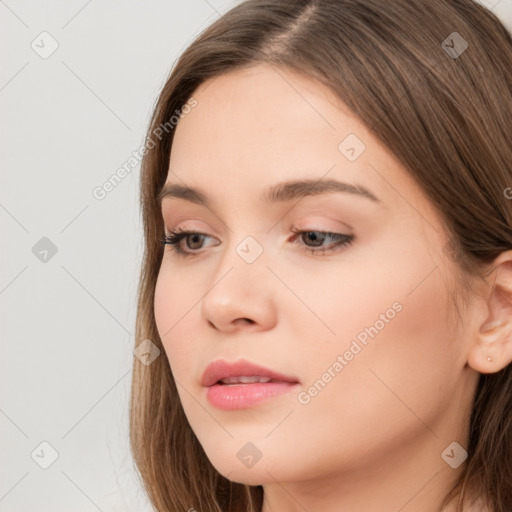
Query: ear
[491, 350]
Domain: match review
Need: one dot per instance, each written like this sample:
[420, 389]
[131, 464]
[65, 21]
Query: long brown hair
[440, 101]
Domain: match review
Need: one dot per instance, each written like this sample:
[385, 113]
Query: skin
[372, 438]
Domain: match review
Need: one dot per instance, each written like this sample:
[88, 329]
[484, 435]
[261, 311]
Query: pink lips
[243, 395]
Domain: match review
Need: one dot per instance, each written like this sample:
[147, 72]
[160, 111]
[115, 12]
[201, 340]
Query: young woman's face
[355, 309]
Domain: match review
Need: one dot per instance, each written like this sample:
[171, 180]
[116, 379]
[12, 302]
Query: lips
[221, 369]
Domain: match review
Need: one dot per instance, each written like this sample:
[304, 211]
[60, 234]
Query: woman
[376, 377]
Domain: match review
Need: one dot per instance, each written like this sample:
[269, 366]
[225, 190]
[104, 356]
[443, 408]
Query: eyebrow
[281, 192]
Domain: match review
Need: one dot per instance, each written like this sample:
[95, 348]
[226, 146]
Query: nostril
[244, 321]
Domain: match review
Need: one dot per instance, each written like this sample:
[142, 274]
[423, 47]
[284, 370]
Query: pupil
[194, 237]
[315, 237]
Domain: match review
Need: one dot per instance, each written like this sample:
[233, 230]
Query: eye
[317, 238]
[174, 239]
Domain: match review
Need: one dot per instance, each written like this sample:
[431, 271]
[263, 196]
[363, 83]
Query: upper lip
[221, 369]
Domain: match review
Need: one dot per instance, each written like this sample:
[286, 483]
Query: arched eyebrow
[281, 192]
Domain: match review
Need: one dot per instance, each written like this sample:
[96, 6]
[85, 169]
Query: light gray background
[68, 122]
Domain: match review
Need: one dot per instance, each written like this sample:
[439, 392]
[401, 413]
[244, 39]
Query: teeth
[245, 380]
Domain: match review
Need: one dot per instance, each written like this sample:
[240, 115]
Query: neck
[414, 478]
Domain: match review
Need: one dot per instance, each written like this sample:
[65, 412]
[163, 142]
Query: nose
[240, 296]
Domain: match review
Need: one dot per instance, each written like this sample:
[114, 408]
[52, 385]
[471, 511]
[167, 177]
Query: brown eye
[194, 238]
[313, 235]
[313, 241]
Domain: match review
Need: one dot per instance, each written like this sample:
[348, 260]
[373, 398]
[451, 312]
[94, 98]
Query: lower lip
[242, 396]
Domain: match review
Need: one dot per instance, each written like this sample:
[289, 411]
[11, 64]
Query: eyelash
[174, 238]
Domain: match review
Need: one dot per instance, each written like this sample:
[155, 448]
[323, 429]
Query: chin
[236, 467]
[247, 476]
[240, 468]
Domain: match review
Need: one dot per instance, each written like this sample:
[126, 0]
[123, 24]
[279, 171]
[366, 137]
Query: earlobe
[491, 350]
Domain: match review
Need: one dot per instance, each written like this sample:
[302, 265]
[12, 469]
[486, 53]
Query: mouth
[242, 395]
[242, 384]
[233, 381]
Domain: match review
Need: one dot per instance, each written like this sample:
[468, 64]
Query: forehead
[264, 112]
[262, 125]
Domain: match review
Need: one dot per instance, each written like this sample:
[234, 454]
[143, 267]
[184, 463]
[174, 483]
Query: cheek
[172, 302]
[391, 319]
[394, 329]
[400, 379]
